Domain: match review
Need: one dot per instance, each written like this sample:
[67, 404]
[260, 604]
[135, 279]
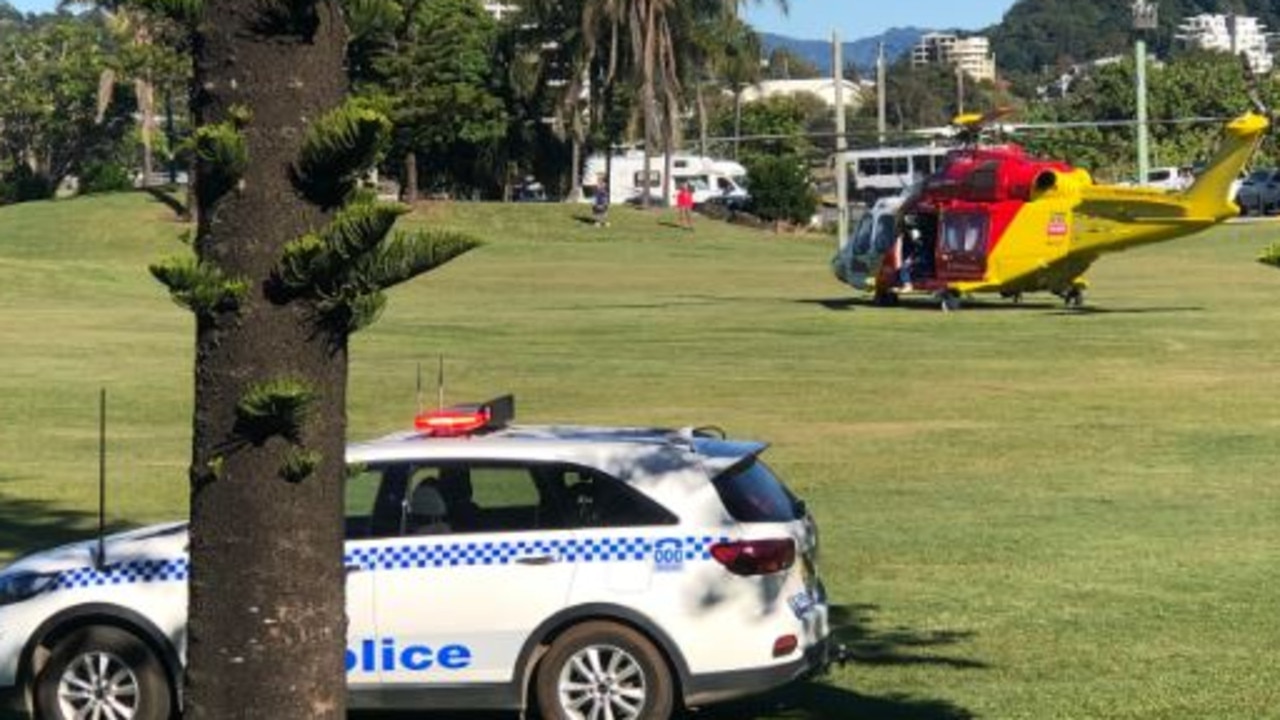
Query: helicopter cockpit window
[862, 235]
[884, 231]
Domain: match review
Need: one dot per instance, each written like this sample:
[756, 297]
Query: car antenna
[100, 557]
[440, 385]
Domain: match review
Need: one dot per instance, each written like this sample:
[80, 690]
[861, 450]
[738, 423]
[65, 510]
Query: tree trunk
[410, 189]
[146, 93]
[737, 122]
[575, 172]
[267, 626]
[702, 120]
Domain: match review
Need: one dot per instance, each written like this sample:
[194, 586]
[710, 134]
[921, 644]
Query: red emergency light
[461, 420]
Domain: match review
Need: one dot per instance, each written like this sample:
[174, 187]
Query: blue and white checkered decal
[415, 555]
[125, 573]
[612, 549]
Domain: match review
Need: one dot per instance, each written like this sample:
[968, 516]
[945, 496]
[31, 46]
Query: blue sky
[815, 19]
[34, 5]
[853, 19]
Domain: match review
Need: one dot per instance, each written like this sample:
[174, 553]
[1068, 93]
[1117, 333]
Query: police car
[592, 572]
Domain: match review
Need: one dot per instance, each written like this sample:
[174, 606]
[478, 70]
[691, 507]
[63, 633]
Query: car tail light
[785, 645]
[755, 557]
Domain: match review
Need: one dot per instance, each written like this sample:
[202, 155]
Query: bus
[879, 172]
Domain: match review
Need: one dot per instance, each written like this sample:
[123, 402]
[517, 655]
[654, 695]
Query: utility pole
[842, 143]
[1144, 19]
[881, 115]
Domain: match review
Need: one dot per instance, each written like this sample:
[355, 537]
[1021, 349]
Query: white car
[638, 569]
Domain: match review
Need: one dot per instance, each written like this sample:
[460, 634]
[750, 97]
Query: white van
[709, 177]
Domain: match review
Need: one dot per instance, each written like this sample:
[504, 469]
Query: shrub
[24, 185]
[781, 190]
[105, 177]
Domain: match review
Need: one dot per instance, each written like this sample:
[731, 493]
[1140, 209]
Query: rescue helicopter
[994, 219]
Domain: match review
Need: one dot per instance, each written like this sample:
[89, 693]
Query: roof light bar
[461, 420]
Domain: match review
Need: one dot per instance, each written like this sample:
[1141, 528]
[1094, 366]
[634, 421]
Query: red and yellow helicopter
[994, 219]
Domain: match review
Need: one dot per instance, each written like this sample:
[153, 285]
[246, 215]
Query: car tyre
[103, 672]
[601, 669]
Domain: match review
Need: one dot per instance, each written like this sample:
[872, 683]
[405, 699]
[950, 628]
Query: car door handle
[538, 560]
[353, 569]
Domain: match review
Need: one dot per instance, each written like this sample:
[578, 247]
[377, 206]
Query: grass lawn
[1026, 512]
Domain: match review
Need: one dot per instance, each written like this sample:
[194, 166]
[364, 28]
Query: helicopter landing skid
[1073, 298]
[948, 300]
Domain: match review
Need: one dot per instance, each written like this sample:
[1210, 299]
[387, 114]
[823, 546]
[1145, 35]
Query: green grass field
[1026, 512]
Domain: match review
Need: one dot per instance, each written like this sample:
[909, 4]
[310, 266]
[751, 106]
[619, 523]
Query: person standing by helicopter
[600, 203]
[906, 250]
[684, 205]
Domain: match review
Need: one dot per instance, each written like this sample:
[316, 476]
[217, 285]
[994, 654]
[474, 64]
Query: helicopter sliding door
[962, 245]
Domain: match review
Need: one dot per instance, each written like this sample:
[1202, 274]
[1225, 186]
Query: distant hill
[1038, 34]
[862, 52]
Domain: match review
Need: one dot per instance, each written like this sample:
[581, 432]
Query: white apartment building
[822, 88]
[971, 54]
[500, 10]
[1235, 34]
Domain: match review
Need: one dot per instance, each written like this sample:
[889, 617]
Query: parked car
[1260, 192]
[1170, 179]
[587, 571]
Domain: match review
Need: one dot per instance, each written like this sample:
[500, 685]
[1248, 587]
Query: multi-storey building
[500, 10]
[1235, 34]
[970, 54]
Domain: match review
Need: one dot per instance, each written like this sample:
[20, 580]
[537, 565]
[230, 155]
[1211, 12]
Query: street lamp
[1144, 20]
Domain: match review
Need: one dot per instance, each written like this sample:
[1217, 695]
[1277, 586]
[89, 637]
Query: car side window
[603, 501]
[374, 499]
[473, 497]
[360, 491]
[487, 497]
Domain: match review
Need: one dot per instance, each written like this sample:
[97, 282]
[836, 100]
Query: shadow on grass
[852, 626]
[27, 525]
[926, 303]
[166, 196]
[815, 701]
[1048, 307]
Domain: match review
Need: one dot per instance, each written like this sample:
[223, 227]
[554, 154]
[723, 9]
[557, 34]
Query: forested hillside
[1039, 34]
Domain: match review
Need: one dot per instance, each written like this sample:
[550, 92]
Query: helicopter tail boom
[1209, 196]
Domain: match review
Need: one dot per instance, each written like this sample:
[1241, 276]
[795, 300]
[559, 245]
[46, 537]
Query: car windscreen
[752, 493]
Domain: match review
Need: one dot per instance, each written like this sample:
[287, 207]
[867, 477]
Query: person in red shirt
[684, 203]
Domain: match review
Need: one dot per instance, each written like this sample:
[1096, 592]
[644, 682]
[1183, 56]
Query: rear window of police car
[753, 494]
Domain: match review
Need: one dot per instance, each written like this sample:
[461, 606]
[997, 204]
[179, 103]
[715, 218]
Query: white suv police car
[600, 572]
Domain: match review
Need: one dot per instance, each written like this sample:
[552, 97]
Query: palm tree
[647, 42]
[655, 25]
[721, 50]
[130, 25]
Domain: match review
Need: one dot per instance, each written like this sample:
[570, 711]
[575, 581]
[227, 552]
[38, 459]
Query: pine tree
[290, 259]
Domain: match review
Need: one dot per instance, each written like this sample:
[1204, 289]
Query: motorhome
[709, 177]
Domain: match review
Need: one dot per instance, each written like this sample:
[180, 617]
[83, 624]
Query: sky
[855, 19]
[34, 5]
[816, 19]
